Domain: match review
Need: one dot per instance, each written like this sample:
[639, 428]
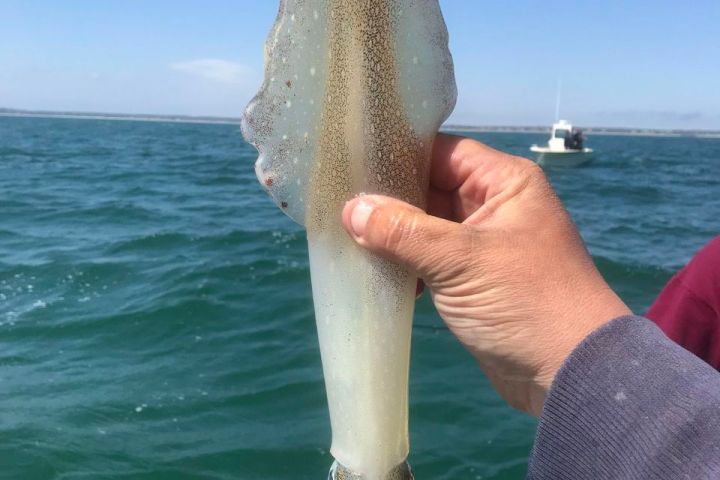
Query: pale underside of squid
[353, 96]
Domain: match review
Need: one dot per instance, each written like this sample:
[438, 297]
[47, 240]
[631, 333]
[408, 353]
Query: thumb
[429, 246]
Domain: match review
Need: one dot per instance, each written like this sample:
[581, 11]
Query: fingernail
[359, 217]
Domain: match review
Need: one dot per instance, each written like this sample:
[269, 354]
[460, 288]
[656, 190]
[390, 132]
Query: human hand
[506, 267]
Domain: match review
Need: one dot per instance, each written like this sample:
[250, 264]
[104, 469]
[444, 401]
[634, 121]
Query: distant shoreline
[4, 112]
[640, 132]
[616, 131]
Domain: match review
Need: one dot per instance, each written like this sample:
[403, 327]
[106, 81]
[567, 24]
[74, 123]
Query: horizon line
[221, 120]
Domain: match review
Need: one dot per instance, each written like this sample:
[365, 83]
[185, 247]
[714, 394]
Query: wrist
[600, 308]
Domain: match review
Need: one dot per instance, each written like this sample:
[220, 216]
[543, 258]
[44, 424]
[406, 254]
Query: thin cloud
[215, 69]
[656, 118]
[662, 115]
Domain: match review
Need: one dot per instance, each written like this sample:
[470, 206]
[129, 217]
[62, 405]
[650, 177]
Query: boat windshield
[560, 133]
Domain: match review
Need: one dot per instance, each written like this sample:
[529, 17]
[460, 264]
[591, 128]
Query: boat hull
[561, 158]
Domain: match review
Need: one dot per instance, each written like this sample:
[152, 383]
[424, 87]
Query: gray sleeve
[630, 404]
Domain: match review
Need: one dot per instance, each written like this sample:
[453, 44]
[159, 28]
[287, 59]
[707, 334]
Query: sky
[631, 63]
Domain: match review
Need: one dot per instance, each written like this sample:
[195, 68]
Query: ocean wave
[151, 242]
[6, 152]
[613, 268]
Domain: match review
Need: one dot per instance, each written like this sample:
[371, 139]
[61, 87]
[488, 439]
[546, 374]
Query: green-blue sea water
[156, 317]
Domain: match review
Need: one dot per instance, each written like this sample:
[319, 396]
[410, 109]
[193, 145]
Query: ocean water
[156, 317]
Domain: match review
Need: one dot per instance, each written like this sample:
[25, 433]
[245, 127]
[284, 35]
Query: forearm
[629, 403]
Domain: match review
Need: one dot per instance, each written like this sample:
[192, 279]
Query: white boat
[564, 148]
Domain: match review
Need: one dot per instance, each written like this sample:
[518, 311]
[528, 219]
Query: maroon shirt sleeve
[688, 308]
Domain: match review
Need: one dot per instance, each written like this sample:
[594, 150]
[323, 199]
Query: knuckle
[531, 173]
[531, 168]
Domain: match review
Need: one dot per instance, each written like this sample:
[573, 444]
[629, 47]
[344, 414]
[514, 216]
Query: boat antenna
[557, 100]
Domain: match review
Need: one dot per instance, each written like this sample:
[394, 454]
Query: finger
[456, 158]
[429, 246]
[440, 203]
[477, 175]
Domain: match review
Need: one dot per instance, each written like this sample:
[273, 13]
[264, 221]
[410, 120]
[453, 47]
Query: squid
[353, 96]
